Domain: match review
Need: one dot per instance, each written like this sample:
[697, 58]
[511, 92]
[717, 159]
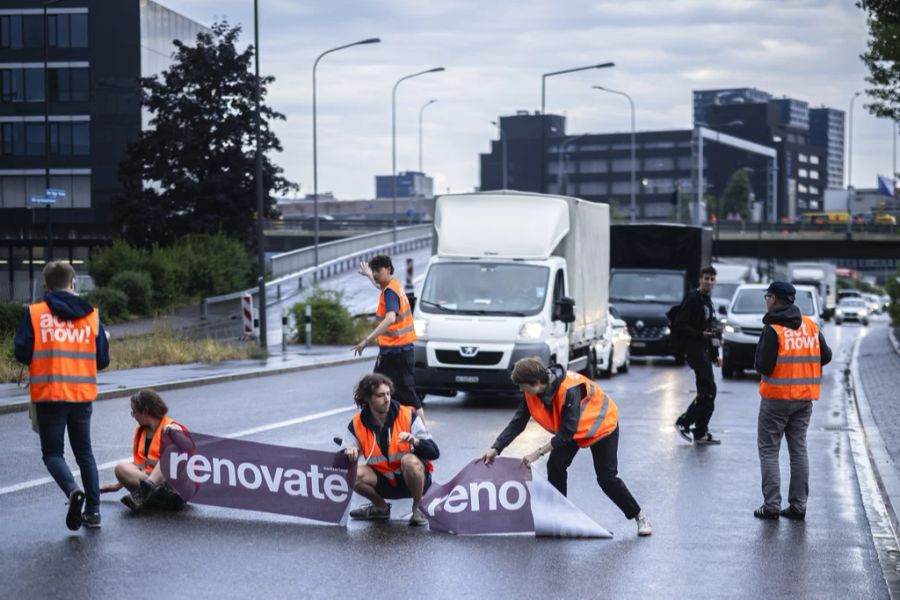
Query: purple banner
[310, 484]
[504, 497]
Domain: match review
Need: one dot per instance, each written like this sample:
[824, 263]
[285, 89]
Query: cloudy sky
[495, 51]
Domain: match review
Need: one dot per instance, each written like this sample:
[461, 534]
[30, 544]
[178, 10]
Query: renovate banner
[310, 484]
[504, 498]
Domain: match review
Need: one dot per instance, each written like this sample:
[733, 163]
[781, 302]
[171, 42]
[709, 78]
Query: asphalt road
[705, 543]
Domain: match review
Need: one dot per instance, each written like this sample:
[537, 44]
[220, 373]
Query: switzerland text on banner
[310, 484]
[504, 497]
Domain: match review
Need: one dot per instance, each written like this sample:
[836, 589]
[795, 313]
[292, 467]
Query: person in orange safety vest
[63, 343]
[142, 476]
[579, 415]
[789, 359]
[396, 447]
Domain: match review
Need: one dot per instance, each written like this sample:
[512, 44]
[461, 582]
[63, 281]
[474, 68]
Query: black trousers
[701, 408]
[605, 453]
[398, 367]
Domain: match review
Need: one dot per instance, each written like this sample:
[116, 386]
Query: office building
[826, 129]
[410, 184]
[703, 99]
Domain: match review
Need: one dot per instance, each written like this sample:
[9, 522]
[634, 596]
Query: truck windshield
[753, 302]
[646, 287]
[478, 288]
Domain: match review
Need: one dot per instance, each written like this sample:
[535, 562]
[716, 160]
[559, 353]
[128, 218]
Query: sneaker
[137, 499]
[707, 439]
[76, 503]
[417, 518]
[643, 525]
[793, 514]
[370, 512]
[91, 520]
[684, 431]
[763, 513]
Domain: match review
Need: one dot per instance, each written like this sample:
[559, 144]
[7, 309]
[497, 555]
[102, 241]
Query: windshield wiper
[437, 306]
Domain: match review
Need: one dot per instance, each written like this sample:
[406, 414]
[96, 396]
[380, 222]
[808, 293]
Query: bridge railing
[810, 228]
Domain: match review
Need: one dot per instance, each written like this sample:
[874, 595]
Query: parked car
[852, 309]
[614, 352]
[744, 325]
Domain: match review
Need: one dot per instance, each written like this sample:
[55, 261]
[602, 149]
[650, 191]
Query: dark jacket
[767, 347]
[426, 450]
[571, 413]
[66, 306]
[695, 316]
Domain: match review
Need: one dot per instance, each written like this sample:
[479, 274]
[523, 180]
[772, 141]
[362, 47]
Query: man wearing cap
[789, 358]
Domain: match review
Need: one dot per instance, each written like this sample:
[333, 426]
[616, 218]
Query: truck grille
[453, 357]
[752, 331]
[646, 333]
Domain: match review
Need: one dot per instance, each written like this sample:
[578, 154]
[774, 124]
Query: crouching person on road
[143, 477]
[580, 415]
[396, 447]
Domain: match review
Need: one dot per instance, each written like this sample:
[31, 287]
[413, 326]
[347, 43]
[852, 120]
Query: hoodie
[66, 306]
[767, 347]
[571, 412]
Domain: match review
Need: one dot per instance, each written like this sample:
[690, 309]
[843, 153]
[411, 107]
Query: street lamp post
[499, 127]
[633, 208]
[47, 125]
[544, 109]
[260, 209]
[315, 148]
[394, 143]
[422, 110]
[850, 189]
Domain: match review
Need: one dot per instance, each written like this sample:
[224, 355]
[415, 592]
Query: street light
[502, 153]
[422, 110]
[47, 127]
[544, 106]
[633, 208]
[260, 212]
[850, 188]
[315, 148]
[394, 142]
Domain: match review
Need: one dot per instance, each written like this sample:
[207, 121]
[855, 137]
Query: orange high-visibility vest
[64, 363]
[798, 369]
[146, 462]
[388, 466]
[402, 332]
[599, 414]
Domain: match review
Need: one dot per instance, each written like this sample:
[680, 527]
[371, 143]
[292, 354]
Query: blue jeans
[54, 418]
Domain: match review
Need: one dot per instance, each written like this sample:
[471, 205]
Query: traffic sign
[43, 200]
[56, 193]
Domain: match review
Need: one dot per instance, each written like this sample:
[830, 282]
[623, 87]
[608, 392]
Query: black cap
[783, 290]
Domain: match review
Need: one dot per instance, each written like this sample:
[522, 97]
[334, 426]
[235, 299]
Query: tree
[735, 199]
[194, 172]
[883, 57]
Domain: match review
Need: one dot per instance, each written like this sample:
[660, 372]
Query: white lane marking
[659, 388]
[238, 434]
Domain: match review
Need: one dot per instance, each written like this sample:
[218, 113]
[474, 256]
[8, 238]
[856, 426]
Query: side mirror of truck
[564, 310]
[723, 310]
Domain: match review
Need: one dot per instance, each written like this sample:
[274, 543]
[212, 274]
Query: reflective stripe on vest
[598, 414]
[64, 358]
[798, 369]
[147, 462]
[387, 466]
[401, 332]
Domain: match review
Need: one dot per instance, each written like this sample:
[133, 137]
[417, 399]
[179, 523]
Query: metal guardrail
[353, 251]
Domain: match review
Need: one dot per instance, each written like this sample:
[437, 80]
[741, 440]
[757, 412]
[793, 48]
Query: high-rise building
[410, 184]
[792, 113]
[703, 99]
[70, 102]
[826, 129]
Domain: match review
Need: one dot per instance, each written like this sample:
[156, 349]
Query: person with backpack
[694, 325]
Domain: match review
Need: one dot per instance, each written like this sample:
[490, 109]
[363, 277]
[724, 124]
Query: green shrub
[893, 290]
[112, 303]
[106, 263]
[136, 285]
[212, 265]
[331, 321]
[10, 315]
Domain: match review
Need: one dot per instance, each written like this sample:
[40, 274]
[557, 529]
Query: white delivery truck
[513, 274]
[820, 275]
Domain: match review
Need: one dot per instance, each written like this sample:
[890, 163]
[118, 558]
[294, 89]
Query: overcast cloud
[495, 51]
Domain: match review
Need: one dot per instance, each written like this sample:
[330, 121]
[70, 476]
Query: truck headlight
[732, 328]
[421, 326]
[666, 330]
[838, 312]
[532, 330]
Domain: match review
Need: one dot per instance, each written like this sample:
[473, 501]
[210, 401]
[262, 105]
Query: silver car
[852, 309]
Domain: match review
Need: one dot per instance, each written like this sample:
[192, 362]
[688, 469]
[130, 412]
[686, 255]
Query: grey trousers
[777, 419]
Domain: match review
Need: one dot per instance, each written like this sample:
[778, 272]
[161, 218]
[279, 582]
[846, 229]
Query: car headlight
[863, 313]
[732, 328]
[532, 330]
[838, 312]
[421, 326]
[666, 330]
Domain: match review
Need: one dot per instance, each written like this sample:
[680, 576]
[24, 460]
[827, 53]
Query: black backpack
[672, 314]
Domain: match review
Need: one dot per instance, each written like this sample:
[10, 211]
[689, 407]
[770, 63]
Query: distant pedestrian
[696, 327]
[142, 475]
[63, 343]
[395, 333]
[396, 447]
[789, 358]
[579, 415]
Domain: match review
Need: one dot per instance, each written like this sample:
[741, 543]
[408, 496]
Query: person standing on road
[789, 358]
[63, 343]
[396, 447]
[696, 326]
[579, 415]
[395, 333]
[142, 476]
